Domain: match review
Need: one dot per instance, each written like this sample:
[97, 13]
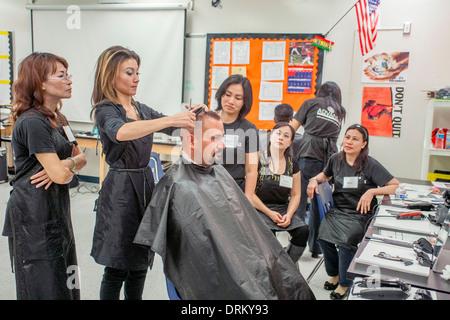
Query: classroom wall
[428, 66]
[428, 69]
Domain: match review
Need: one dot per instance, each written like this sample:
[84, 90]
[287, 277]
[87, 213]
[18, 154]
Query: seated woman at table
[357, 179]
[277, 193]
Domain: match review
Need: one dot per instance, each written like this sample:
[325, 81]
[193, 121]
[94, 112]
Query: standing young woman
[321, 118]
[277, 193]
[126, 131]
[240, 157]
[357, 179]
[38, 221]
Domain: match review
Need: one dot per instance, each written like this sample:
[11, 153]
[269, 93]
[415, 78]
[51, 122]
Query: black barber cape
[212, 241]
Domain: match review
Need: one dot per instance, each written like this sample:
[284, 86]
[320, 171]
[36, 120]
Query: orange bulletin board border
[252, 70]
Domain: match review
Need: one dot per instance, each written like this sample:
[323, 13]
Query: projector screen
[157, 36]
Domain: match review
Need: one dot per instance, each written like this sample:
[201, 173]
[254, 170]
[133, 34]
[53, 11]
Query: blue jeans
[337, 260]
[309, 168]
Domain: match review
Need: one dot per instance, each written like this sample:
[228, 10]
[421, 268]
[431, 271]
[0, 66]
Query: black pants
[299, 236]
[309, 168]
[114, 278]
[337, 260]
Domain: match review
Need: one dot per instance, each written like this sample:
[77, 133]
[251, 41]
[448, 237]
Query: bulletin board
[6, 67]
[282, 68]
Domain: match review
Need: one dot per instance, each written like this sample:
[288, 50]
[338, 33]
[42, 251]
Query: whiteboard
[157, 36]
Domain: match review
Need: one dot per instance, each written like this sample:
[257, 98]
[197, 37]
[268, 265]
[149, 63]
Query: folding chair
[324, 202]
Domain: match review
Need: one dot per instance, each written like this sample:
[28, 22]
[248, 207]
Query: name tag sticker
[350, 182]
[230, 140]
[69, 133]
[286, 181]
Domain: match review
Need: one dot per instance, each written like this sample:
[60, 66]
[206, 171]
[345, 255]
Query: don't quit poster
[382, 109]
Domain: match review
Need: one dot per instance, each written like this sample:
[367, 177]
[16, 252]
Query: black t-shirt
[110, 117]
[319, 120]
[32, 133]
[241, 137]
[350, 185]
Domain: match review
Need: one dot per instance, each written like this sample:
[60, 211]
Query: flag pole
[341, 18]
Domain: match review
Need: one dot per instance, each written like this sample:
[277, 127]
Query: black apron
[266, 184]
[343, 228]
[327, 145]
[343, 225]
[42, 245]
[125, 194]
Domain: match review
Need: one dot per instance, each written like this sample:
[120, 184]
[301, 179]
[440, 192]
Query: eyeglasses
[64, 78]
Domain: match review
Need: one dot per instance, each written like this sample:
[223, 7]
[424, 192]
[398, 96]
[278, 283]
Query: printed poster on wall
[386, 68]
[382, 109]
[301, 54]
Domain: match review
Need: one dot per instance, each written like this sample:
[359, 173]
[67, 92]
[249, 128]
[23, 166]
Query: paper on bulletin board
[386, 67]
[267, 110]
[272, 91]
[239, 70]
[219, 74]
[214, 104]
[5, 93]
[241, 52]
[272, 70]
[4, 43]
[222, 52]
[274, 50]
[4, 67]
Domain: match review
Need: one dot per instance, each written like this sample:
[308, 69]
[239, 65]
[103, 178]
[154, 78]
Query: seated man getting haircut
[212, 242]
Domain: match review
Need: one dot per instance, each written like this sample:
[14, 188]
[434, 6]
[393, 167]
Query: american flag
[367, 14]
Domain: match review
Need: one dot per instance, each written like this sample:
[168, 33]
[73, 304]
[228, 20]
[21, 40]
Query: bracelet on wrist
[313, 178]
[74, 163]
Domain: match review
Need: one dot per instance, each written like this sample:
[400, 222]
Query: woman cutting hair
[358, 179]
[126, 131]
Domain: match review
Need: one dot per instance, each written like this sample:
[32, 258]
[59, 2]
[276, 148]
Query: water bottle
[440, 139]
[400, 192]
